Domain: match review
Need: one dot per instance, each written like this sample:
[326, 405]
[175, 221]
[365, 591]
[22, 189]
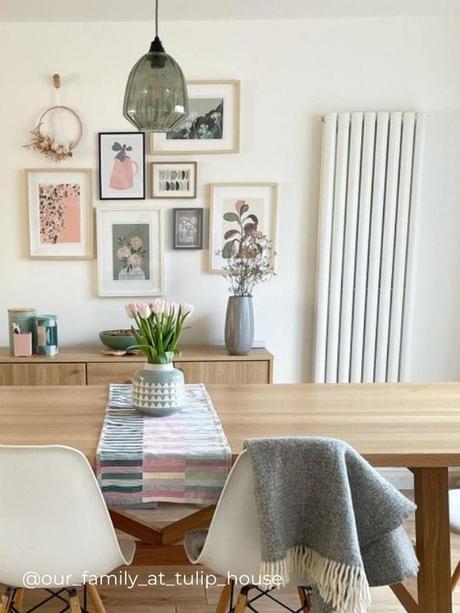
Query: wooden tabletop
[391, 425]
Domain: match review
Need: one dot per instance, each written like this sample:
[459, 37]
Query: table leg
[433, 539]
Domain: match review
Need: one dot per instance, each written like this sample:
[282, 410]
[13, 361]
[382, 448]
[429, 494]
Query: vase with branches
[249, 264]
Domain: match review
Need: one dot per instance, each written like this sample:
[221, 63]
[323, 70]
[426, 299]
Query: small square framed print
[60, 213]
[174, 179]
[130, 246]
[121, 165]
[188, 228]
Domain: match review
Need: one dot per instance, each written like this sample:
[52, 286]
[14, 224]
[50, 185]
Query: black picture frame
[104, 193]
[198, 211]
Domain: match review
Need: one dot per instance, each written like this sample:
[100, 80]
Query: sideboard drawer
[103, 374]
[226, 373]
[42, 374]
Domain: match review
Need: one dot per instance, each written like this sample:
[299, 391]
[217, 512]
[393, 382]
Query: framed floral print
[60, 213]
[122, 166]
[238, 209]
[130, 243]
[188, 228]
[174, 180]
[212, 125]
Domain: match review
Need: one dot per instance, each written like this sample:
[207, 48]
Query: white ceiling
[197, 10]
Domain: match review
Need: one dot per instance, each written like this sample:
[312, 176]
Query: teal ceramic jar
[25, 319]
[46, 333]
[159, 390]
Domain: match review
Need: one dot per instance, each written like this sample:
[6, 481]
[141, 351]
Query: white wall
[291, 72]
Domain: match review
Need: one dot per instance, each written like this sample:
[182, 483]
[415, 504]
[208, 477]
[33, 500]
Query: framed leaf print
[130, 243]
[122, 166]
[212, 125]
[236, 210]
[60, 213]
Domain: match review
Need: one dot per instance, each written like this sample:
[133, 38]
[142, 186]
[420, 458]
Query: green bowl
[117, 339]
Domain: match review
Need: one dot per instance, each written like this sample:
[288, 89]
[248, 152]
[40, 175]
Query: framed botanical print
[122, 166]
[174, 179]
[212, 125]
[60, 213]
[130, 244]
[188, 228]
[238, 209]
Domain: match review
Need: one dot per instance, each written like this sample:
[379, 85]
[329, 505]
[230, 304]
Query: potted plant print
[249, 261]
[158, 388]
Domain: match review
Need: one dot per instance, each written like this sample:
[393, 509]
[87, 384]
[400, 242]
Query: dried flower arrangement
[48, 146]
[248, 252]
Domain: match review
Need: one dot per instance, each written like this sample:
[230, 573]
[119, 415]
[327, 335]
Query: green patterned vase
[159, 390]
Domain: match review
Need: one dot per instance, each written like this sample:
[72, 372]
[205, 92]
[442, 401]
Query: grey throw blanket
[328, 517]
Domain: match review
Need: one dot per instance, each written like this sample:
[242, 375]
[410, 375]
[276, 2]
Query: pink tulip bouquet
[158, 328]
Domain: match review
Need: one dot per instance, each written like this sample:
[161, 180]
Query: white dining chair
[55, 529]
[454, 511]
[231, 547]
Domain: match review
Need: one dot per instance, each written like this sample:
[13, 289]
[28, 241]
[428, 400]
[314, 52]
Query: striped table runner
[182, 458]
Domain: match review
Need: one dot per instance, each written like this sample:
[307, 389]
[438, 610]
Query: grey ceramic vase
[239, 325]
[159, 390]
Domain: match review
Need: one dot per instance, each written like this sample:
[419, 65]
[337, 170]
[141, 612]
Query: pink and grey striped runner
[181, 458]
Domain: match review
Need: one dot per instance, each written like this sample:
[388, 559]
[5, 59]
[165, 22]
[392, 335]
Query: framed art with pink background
[122, 166]
[60, 213]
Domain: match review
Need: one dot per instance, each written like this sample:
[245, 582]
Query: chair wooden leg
[95, 599]
[242, 602]
[74, 602]
[4, 603]
[456, 577]
[19, 600]
[304, 599]
[222, 605]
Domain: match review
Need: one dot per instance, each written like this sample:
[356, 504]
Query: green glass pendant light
[156, 97]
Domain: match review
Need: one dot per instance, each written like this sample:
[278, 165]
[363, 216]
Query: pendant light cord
[156, 17]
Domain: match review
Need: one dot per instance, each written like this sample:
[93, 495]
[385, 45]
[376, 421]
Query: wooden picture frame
[263, 203]
[130, 242]
[60, 213]
[174, 180]
[121, 166]
[213, 124]
[190, 235]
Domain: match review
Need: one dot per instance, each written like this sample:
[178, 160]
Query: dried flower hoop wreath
[49, 146]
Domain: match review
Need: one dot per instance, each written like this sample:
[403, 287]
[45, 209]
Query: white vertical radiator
[369, 184]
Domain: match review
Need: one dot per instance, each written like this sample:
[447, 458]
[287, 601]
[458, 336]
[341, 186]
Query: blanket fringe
[342, 586]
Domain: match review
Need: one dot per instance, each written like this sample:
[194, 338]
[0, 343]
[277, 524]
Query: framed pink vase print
[122, 166]
[60, 213]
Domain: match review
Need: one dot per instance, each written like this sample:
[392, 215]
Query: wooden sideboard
[88, 366]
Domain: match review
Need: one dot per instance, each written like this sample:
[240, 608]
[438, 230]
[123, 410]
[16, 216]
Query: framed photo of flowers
[130, 243]
[240, 210]
[122, 165]
[174, 179]
[188, 228]
[212, 125]
[60, 213]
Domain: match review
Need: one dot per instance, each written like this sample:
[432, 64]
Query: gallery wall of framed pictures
[130, 233]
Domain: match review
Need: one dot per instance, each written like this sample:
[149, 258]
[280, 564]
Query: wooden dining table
[392, 425]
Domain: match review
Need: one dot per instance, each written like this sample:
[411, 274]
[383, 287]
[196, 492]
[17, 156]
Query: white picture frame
[60, 208]
[130, 248]
[174, 180]
[262, 199]
[217, 102]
